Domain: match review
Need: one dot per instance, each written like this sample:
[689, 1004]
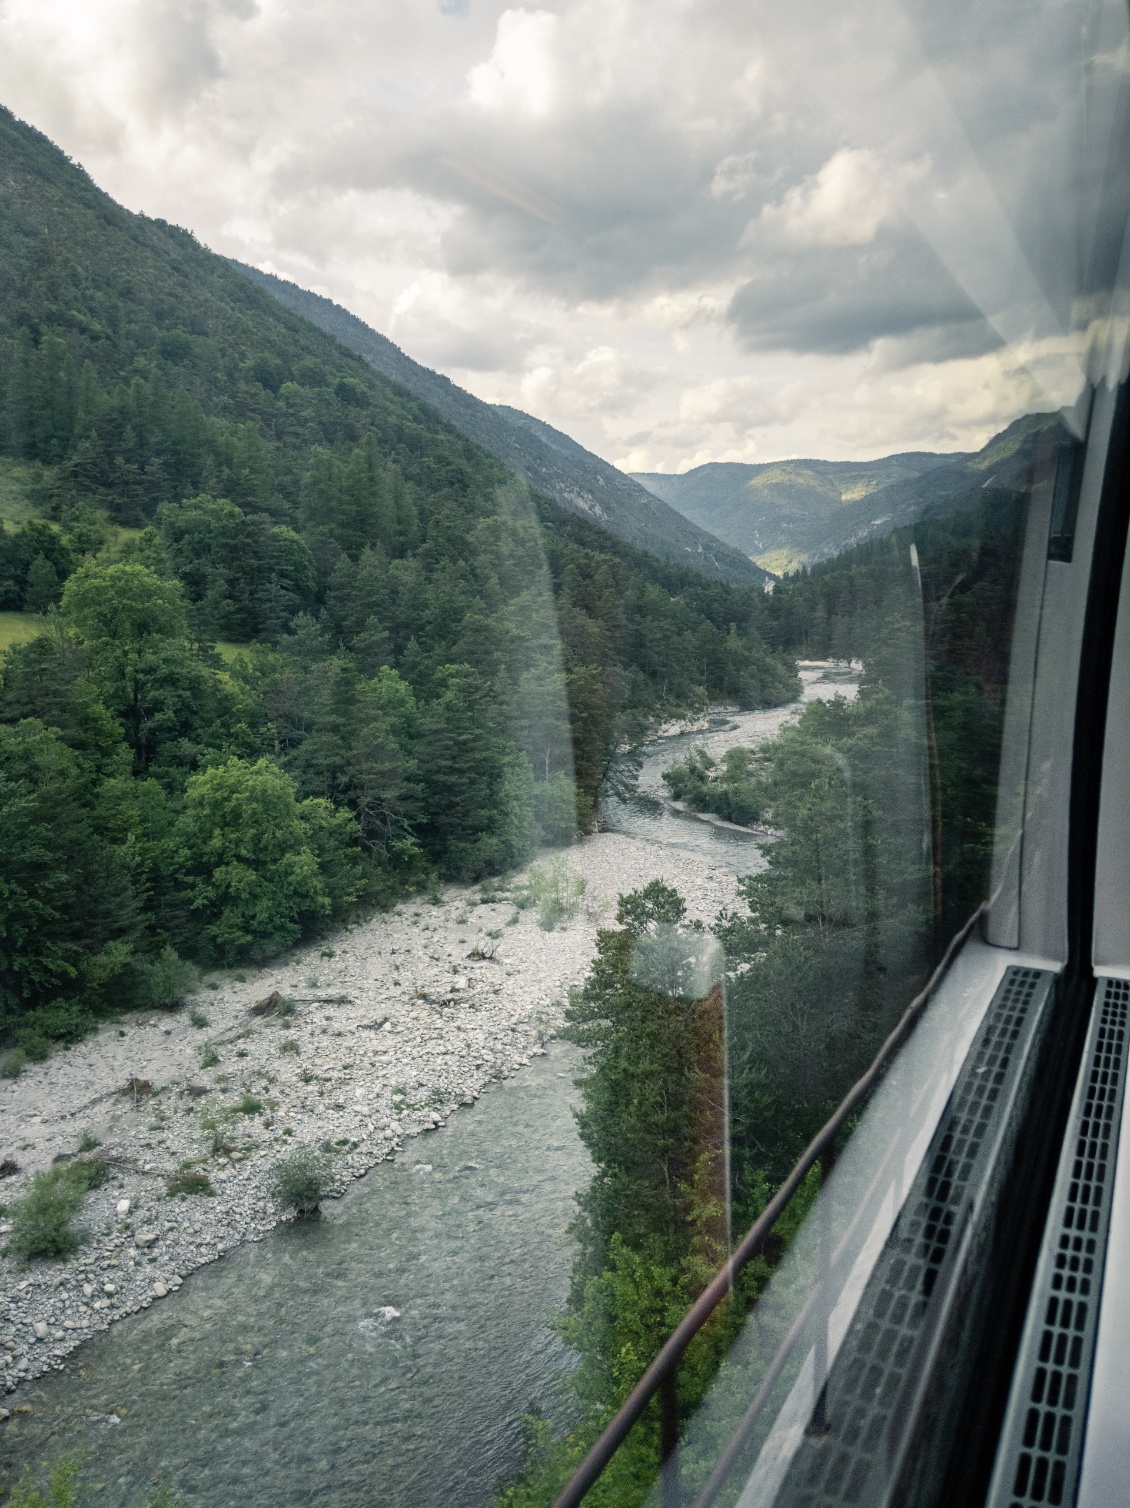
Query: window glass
[515, 666]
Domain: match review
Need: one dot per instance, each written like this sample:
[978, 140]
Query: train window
[564, 725]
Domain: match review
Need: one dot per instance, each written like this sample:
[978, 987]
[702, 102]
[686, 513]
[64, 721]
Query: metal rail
[662, 1375]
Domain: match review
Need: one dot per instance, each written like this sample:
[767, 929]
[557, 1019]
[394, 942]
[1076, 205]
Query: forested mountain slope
[423, 669]
[788, 512]
[548, 460]
[1003, 464]
[778, 511]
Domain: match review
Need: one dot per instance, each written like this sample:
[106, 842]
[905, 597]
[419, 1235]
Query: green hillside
[548, 460]
[788, 513]
[777, 512]
[425, 671]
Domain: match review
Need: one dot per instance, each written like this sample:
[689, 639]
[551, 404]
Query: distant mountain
[1004, 464]
[788, 513]
[780, 513]
[548, 460]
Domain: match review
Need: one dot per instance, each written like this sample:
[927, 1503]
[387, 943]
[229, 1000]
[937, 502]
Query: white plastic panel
[1105, 1478]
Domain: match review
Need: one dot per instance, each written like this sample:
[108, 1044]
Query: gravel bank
[395, 1027]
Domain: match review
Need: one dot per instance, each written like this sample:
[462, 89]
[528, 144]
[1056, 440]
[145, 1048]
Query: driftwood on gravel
[273, 1003]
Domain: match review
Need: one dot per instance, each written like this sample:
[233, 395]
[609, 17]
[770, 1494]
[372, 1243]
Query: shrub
[209, 1057]
[290, 1045]
[13, 1063]
[89, 1173]
[197, 1016]
[734, 790]
[556, 891]
[41, 1221]
[160, 981]
[249, 1105]
[188, 1181]
[61, 1021]
[302, 1180]
[217, 1127]
[88, 1141]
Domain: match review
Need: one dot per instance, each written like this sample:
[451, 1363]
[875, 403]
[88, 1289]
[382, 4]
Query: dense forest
[885, 809]
[298, 644]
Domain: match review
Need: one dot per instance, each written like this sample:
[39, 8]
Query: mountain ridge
[548, 460]
[776, 509]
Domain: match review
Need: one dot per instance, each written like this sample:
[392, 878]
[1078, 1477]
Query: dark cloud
[935, 343]
[839, 299]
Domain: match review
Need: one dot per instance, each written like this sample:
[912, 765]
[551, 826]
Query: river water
[281, 1376]
[649, 813]
[383, 1355]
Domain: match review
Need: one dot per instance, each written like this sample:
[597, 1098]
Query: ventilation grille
[1043, 1436]
[846, 1440]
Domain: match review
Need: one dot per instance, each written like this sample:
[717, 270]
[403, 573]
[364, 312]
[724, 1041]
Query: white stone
[122, 1208]
[41, 1329]
[145, 1238]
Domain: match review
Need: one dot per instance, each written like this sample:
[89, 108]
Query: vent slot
[1041, 1444]
[853, 1441]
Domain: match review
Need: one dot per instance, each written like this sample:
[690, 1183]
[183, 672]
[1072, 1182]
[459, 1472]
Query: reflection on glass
[393, 732]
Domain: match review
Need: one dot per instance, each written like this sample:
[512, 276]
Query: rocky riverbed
[396, 1023]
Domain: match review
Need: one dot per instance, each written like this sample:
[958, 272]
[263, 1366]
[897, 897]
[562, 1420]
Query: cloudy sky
[680, 230]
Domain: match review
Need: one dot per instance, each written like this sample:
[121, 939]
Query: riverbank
[397, 1022]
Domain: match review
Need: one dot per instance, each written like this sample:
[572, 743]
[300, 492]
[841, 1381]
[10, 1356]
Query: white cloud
[844, 204]
[519, 74]
[734, 176]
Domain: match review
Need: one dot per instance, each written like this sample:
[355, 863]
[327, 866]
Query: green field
[18, 628]
[781, 562]
[229, 652]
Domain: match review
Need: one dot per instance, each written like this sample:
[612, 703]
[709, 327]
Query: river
[649, 813]
[383, 1355]
[281, 1375]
